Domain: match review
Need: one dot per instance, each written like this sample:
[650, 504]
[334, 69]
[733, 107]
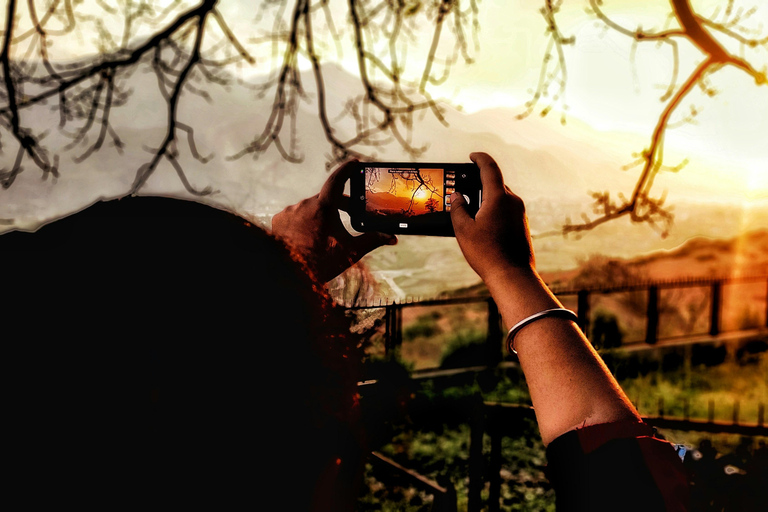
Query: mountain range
[552, 167]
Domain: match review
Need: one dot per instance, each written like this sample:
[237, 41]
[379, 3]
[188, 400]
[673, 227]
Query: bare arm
[569, 384]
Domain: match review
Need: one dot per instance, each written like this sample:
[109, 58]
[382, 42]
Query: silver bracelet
[556, 312]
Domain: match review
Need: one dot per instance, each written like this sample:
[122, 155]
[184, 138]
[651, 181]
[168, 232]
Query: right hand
[497, 239]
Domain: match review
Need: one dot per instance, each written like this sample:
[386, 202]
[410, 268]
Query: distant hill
[386, 203]
[552, 167]
[746, 254]
[698, 257]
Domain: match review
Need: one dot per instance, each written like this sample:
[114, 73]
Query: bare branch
[548, 77]
[164, 150]
[640, 206]
[27, 142]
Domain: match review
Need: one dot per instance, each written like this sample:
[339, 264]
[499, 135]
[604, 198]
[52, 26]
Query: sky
[607, 92]
[604, 88]
[611, 87]
[609, 96]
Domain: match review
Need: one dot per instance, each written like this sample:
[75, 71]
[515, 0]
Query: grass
[436, 445]
[681, 381]
[688, 381]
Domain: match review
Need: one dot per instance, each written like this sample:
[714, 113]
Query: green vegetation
[432, 437]
[427, 427]
[431, 432]
[425, 326]
[605, 330]
[688, 381]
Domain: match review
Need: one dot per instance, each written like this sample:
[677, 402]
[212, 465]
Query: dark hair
[166, 344]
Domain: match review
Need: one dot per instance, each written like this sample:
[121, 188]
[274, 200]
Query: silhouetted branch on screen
[410, 183]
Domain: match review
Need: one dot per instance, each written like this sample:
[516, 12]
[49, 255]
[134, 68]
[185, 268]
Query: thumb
[367, 242]
[459, 215]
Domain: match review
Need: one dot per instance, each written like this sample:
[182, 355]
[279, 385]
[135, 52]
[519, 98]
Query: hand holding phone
[313, 228]
[411, 198]
[496, 238]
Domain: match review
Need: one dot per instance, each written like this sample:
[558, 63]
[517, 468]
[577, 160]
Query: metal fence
[659, 302]
[489, 419]
[670, 311]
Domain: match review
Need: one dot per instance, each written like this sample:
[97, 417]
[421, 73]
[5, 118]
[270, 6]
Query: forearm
[569, 384]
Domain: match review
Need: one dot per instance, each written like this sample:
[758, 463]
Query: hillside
[384, 203]
[744, 255]
[698, 257]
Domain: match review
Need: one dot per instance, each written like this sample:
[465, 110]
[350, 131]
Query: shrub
[606, 332]
[425, 326]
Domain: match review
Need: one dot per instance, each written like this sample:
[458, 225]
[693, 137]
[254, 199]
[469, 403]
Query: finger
[490, 174]
[333, 188]
[460, 217]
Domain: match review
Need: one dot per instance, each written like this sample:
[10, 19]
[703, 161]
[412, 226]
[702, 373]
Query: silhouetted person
[601, 455]
[172, 347]
[163, 352]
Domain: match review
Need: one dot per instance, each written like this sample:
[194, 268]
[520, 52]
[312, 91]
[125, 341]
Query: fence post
[476, 479]
[714, 313]
[766, 303]
[652, 316]
[582, 311]
[387, 330]
[393, 333]
[494, 470]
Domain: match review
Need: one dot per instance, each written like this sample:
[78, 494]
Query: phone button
[466, 198]
[404, 225]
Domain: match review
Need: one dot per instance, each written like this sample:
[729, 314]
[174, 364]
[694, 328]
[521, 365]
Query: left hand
[314, 229]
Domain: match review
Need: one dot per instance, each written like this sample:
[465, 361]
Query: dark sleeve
[616, 466]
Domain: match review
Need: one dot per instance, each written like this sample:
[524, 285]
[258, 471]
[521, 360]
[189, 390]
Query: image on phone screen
[403, 193]
[411, 198]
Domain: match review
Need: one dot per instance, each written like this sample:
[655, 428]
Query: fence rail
[387, 470]
[489, 418]
[584, 296]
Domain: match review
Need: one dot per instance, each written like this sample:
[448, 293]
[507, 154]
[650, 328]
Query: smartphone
[411, 198]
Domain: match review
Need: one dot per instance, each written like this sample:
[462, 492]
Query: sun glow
[757, 182]
[421, 194]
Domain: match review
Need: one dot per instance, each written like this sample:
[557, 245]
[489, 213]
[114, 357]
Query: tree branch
[640, 206]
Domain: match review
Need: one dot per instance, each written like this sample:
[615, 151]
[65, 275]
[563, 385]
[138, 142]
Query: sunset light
[541, 224]
[757, 181]
[421, 193]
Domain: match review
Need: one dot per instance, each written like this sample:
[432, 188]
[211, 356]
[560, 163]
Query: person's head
[166, 344]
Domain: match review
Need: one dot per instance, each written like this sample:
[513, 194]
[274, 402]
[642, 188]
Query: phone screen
[412, 198]
[406, 192]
